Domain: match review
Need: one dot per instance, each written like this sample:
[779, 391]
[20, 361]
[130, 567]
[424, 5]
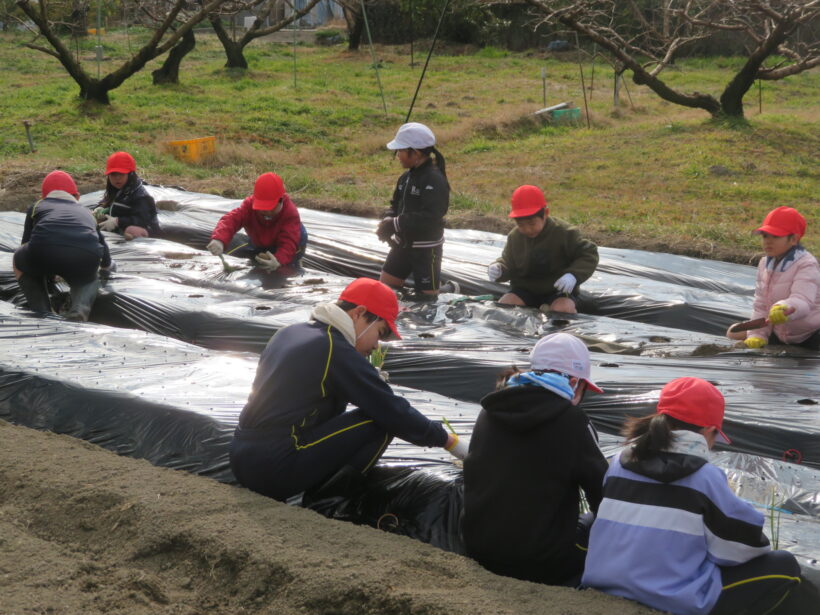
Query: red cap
[268, 191]
[120, 162]
[694, 401]
[783, 221]
[526, 201]
[378, 298]
[59, 180]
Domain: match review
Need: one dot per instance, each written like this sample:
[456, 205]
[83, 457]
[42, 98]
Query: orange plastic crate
[193, 150]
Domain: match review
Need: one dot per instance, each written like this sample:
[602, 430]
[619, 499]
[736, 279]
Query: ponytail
[649, 435]
[439, 158]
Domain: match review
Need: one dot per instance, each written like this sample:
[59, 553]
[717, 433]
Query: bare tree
[263, 11]
[645, 37]
[172, 21]
[354, 18]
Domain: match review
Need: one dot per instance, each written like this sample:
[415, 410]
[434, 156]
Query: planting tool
[747, 325]
[226, 267]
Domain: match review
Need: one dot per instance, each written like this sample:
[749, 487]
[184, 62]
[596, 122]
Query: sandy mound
[85, 531]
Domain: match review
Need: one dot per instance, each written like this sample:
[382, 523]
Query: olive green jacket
[535, 264]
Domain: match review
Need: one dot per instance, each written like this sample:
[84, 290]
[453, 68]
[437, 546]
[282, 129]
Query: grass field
[648, 175]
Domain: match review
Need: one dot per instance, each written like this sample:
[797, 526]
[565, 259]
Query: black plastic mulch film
[165, 365]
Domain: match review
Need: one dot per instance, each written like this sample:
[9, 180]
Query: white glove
[494, 271]
[267, 261]
[383, 374]
[459, 448]
[215, 247]
[565, 283]
[109, 224]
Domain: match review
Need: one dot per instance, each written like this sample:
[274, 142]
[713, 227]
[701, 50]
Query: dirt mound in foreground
[85, 531]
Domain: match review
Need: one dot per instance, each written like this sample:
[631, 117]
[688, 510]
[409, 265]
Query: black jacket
[64, 222]
[419, 204]
[132, 205]
[529, 453]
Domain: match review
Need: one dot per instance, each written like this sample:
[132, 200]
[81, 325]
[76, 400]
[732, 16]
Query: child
[126, 206]
[545, 259]
[787, 291]
[60, 238]
[670, 532]
[414, 224]
[271, 220]
[531, 450]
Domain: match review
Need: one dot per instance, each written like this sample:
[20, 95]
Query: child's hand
[110, 224]
[494, 271]
[779, 313]
[755, 342]
[565, 283]
[215, 247]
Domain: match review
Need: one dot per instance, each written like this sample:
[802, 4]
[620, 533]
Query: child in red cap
[545, 259]
[787, 291]
[275, 231]
[60, 238]
[295, 433]
[670, 533]
[126, 207]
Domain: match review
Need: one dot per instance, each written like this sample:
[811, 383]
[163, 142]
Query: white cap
[413, 135]
[563, 353]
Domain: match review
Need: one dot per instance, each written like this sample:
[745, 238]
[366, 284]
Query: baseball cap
[120, 162]
[267, 191]
[526, 201]
[378, 298]
[59, 180]
[694, 401]
[413, 135]
[563, 353]
[783, 221]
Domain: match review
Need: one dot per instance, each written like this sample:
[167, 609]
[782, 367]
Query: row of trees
[643, 37]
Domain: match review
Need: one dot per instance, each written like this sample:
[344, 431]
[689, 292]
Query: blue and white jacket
[666, 525]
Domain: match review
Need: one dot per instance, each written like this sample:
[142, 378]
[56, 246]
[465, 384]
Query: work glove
[100, 213]
[779, 313]
[215, 247]
[494, 271]
[110, 223]
[565, 283]
[385, 229]
[383, 374]
[458, 447]
[755, 342]
[268, 261]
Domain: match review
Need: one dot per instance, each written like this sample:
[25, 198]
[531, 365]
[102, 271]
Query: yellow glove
[779, 313]
[755, 342]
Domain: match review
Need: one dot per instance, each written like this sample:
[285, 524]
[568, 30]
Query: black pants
[423, 263]
[284, 464]
[74, 265]
[758, 586]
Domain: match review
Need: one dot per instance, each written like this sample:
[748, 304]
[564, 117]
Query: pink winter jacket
[795, 282]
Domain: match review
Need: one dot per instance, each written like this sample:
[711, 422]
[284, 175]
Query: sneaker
[450, 287]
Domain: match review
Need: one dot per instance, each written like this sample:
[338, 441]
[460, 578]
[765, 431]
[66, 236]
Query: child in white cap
[414, 224]
[531, 450]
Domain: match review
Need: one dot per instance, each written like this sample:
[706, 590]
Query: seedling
[774, 524]
[449, 426]
[226, 267]
[378, 356]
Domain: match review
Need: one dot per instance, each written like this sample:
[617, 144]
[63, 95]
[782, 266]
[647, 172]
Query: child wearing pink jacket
[787, 290]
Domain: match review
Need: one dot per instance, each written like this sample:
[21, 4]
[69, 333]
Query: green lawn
[651, 175]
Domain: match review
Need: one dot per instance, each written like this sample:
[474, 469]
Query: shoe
[450, 287]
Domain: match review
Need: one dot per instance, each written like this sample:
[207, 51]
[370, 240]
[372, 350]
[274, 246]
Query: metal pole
[759, 96]
[295, 26]
[412, 35]
[592, 77]
[373, 56]
[544, 85]
[99, 37]
[427, 61]
[583, 86]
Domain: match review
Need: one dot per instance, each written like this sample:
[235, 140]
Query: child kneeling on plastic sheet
[295, 434]
[60, 238]
[271, 220]
[670, 533]
[126, 207]
[545, 259]
[787, 291]
[531, 450]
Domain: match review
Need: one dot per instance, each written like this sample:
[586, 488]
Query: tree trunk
[355, 26]
[169, 71]
[233, 49]
[95, 90]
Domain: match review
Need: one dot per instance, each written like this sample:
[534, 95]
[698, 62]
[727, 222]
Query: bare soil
[20, 187]
[85, 531]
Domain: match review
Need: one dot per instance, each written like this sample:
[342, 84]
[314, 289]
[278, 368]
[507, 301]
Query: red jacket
[280, 235]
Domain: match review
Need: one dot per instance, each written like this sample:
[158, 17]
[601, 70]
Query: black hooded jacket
[529, 453]
[132, 205]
